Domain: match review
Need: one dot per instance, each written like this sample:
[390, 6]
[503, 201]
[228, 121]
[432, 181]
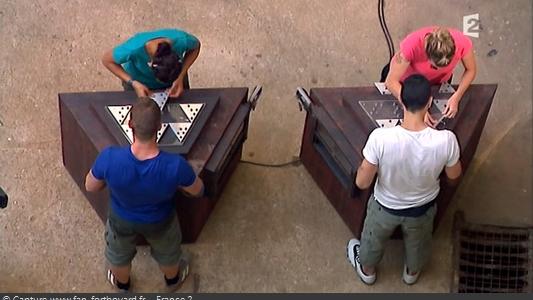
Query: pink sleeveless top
[412, 48]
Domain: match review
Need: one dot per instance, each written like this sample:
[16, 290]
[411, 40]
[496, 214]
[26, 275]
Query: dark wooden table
[214, 154]
[336, 130]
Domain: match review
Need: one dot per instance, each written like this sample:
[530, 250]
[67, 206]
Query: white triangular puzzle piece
[128, 132]
[446, 88]
[161, 131]
[191, 110]
[160, 98]
[388, 123]
[440, 104]
[120, 113]
[382, 88]
[180, 130]
[127, 119]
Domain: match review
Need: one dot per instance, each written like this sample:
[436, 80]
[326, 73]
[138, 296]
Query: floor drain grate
[491, 259]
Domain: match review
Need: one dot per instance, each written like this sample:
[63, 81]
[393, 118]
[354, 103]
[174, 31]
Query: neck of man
[143, 150]
[151, 46]
[414, 121]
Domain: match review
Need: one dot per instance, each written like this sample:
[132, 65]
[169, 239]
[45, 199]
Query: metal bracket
[254, 96]
[304, 101]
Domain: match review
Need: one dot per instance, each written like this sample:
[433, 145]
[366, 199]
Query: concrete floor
[273, 230]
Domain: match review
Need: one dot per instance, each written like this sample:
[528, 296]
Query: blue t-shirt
[142, 191]
[133, 57]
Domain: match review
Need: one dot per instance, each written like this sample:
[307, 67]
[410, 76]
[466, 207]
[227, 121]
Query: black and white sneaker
[118, 286]
[352, 253]
[183, 273]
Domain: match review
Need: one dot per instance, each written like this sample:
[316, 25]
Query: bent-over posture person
[154, 60]
[408, 160]
[433, 52]
[142, 181]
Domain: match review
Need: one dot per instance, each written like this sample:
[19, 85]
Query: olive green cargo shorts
[121, 240]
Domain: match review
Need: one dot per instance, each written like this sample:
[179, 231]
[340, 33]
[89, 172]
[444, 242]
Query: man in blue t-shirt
[142, 181]
[154, 60]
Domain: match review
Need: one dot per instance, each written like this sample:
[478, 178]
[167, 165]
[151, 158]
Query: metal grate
[491, 259]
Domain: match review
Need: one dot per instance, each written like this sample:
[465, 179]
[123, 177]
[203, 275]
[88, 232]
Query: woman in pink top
[433, 52]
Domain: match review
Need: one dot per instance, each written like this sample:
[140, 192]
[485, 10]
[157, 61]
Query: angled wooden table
[336, 130]
[214, 154]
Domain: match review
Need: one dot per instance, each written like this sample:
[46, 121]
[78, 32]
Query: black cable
[387, 28]
[381, 25]
[384, 27]
[282, 165]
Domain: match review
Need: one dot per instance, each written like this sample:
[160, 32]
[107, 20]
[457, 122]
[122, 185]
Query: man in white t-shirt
[408, 160]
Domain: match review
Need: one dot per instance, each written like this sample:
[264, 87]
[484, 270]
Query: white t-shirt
[409, 164]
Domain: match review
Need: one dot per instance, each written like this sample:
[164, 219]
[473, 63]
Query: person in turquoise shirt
[154, 60]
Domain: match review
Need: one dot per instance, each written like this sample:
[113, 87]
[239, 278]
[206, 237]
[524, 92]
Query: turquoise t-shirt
[133, 57]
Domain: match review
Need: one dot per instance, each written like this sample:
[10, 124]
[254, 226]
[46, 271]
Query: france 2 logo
[471, 25]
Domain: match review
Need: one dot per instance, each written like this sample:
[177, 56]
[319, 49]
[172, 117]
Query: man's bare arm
[453, 173]
[196, 189]
[92, 184]
[365, 174]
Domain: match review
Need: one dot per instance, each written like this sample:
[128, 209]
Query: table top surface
[228, 100]
[341, 112]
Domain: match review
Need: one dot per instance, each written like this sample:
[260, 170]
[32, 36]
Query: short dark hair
[145, 119]
[416, 91]
[166, 63]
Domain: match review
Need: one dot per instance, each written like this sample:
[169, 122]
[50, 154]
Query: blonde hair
[440, 46]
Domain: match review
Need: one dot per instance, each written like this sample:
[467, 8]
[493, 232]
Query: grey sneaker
[409, 279]
[352, 253]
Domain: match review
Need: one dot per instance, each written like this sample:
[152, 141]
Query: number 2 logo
[471, 25]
